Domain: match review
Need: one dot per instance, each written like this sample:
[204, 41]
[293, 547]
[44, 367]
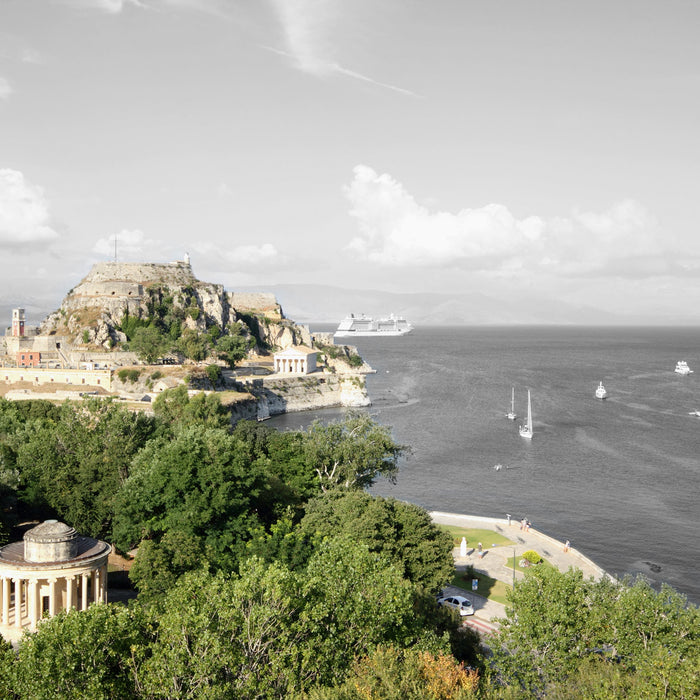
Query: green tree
[560, 627]
[77, 464]
[179, 410]
[547, 629]
[281, 455]
[226, 636]
[404, 674]
[356, 600]
[149, 343]
[351, 453]
[193, 344]
[402, 531]
[196, 484]
[83, 655]
[214, 374]
[232, 348]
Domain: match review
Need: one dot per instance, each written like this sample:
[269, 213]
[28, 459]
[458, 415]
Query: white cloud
[394, 230]
[31, 56]
[115, 7]
[252, 254]
[212, 256]
[5, 88]
[112, 7]
[223, 191]
[307, 26]
[24, 211]
[130, 244]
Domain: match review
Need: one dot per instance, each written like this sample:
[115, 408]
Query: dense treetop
[264, 570]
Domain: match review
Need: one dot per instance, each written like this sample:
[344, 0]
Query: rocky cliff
[92, 313]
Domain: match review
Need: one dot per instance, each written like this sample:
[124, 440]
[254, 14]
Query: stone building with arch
[52, 569]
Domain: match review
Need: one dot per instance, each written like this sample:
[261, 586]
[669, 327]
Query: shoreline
[494, 561]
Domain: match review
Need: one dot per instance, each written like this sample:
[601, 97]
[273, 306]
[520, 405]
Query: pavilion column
[52, 597]
[84, 591]
[18, 601]
[6, 601]
[33, 607]
[96, 585]
[104, 579]
[70, 592]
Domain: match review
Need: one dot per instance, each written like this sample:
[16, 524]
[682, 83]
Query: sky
[521, 149]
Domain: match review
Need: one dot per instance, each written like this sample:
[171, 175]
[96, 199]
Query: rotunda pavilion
[52, 569]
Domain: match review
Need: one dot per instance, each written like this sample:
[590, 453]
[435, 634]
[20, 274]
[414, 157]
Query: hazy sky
[512, 147]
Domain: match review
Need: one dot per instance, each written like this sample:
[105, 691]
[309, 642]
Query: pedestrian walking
[508, 516]
[566, 545]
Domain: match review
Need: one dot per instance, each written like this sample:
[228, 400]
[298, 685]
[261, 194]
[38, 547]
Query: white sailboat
[511, 414]
[601, 392]
[526, 430]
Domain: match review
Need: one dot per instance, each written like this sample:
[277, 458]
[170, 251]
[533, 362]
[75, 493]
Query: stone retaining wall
[79, 377]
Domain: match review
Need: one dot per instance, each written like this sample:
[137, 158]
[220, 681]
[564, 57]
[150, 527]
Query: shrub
[532, 556]
[128, 375]
[355, 361]
[214, 374]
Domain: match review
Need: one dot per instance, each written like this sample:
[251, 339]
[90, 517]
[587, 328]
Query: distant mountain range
[309, 304]
[325, 304]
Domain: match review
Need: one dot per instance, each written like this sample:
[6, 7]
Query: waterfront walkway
[495, 560]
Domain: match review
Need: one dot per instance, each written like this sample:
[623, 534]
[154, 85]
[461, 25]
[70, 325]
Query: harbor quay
[495, 561]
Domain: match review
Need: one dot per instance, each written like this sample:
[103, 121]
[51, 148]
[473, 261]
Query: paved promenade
[494, 562]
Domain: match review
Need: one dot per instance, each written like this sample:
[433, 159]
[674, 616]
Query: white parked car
[457, 603]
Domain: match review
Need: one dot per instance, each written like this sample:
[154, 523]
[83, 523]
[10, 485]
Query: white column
[5, 601]
[103, 584]
[84, 586]
[52, 597]
[18, 601]
[33, 611]
[70, 592]
[96, 585]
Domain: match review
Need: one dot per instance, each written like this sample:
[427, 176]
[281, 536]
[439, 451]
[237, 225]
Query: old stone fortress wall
[114, 287]
[126, 281]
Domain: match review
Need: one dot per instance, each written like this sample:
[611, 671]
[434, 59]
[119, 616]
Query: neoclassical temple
[297, 359]
[52, 569]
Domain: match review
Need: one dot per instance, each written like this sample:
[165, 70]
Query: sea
[619, 478]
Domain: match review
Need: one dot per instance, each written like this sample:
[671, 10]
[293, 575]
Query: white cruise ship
[357, 326]
[682, 367]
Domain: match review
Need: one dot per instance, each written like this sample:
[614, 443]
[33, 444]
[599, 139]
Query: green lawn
[488, 587]
[518, 559]
[489, 538]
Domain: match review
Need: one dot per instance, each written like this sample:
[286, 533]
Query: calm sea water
[620, 478]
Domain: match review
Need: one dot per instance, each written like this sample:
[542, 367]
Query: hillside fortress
[82, 342]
